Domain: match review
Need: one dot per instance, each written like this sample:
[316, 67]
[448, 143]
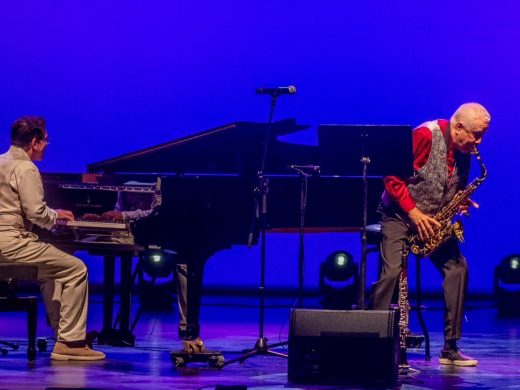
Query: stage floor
[230, 324]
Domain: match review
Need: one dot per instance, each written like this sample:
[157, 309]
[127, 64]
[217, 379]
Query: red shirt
[395, 186]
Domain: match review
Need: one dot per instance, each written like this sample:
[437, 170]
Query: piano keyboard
[79, 224]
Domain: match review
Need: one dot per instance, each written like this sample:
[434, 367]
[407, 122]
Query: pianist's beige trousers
[62, 277]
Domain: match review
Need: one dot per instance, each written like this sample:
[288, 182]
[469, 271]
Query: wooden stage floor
[230, 324]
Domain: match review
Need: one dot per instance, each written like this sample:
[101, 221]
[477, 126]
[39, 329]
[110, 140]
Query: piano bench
[10, 274]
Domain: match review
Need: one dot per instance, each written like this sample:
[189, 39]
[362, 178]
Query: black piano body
[208, 194]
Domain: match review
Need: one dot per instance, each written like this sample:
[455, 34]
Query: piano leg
[108, 298]
[126, 300]
[109, 335]
[194, 349]
[194, 287]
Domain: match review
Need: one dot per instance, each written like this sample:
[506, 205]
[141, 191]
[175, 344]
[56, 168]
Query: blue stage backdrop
[112, 77]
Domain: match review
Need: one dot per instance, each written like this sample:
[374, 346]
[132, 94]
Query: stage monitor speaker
[343, 347]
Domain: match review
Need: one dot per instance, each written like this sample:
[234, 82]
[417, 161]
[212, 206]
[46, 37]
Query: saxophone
[445, 217]
[404, 309]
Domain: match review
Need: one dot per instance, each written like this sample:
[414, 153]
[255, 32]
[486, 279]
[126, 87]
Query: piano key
[79, 224]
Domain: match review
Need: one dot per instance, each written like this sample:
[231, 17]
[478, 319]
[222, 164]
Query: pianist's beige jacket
[21, 194]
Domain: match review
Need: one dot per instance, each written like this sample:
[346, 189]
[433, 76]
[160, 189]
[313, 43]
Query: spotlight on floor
[339, 281]
[156, 265]
[506, 285]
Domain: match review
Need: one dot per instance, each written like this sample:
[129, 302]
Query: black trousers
[447, 259]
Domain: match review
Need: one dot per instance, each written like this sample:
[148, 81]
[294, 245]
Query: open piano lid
[235, 148]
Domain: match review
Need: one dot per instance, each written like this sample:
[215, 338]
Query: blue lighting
[113, 77]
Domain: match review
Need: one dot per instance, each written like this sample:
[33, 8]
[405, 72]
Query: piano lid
[235, 148]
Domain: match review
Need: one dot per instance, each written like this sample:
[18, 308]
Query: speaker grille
[338, 346]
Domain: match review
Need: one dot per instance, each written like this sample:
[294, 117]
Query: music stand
[387, 148]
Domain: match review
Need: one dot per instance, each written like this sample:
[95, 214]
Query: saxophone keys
[458, 231]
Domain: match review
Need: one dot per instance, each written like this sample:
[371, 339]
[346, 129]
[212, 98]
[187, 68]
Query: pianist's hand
[90, 217]
[65, 214]
[116, 216]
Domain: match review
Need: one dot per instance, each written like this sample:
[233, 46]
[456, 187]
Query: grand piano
[207, 189]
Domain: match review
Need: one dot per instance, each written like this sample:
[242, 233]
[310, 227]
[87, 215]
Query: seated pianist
[63, 278]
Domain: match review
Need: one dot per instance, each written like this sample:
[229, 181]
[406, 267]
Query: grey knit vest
[430, 187]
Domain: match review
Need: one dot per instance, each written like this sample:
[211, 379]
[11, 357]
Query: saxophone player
[442, 152]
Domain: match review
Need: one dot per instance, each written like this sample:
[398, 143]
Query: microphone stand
[365, 160]
[261, 347]
[301, 228]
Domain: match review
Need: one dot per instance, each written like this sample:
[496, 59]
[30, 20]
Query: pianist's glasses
[46, 140]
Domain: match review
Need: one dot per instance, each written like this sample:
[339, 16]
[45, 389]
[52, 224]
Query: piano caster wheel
[42, 345]
[216, 361]
[179, 362]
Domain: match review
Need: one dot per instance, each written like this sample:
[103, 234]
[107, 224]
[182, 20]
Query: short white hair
[472, 114]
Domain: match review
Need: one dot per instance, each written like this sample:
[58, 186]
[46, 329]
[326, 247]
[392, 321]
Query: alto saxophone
[445, 217]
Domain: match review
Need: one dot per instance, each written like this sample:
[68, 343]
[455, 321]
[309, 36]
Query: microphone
[290, 90]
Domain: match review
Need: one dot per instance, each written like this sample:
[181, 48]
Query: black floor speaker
[343, 347]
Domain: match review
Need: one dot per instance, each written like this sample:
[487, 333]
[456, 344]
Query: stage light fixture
[339, 266]
[158, 263]
[156, 258]
[506, 285]
[339, 281]
[508, 270]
